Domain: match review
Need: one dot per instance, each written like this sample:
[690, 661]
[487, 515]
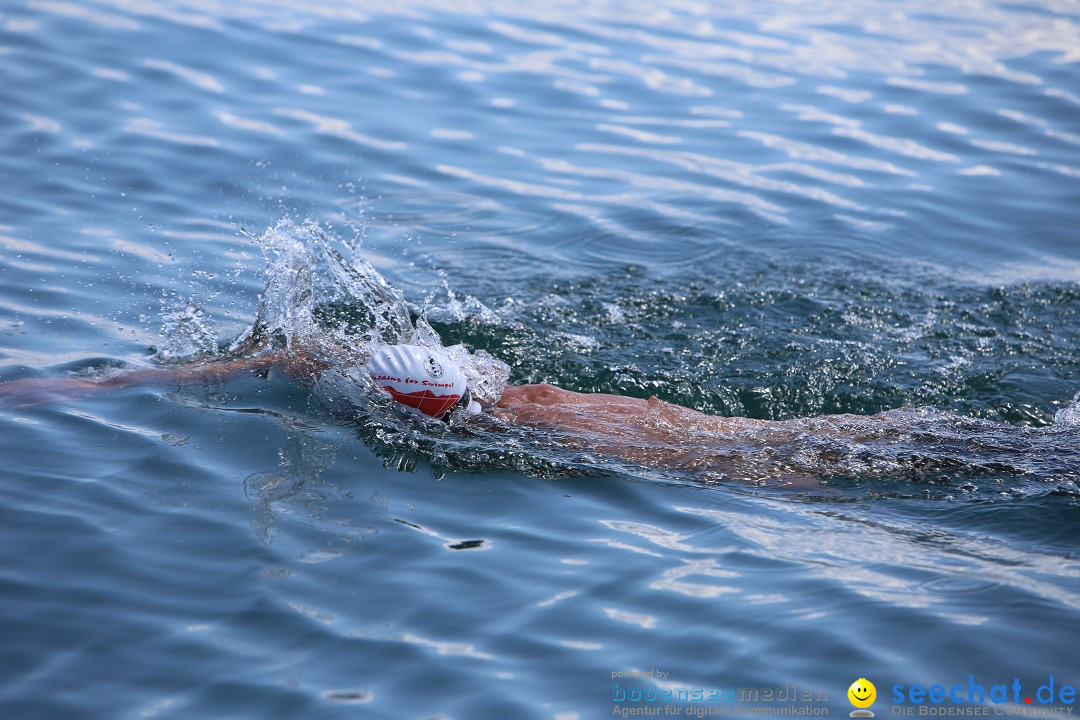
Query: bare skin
[653, 433]
[652, 419]
[28, 392]
[646, 432]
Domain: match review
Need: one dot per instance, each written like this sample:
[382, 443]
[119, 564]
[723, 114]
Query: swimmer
[648, 432]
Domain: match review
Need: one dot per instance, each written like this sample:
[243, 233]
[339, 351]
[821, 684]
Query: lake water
[775, 210]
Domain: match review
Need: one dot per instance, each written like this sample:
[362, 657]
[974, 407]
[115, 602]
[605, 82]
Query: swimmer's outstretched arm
[33, 391]
[28, 392]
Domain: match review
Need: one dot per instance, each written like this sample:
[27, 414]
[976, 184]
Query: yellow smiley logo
[862, 693]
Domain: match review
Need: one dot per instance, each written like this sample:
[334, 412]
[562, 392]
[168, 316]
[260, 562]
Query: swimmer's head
[423, 380]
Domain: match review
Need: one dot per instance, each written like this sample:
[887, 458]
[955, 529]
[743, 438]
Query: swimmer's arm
[33, 391]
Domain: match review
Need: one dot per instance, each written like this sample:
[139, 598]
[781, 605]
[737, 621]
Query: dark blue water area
[755, 209]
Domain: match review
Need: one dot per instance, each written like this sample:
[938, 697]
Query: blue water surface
[764, 209]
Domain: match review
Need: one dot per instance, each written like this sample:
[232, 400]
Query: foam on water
[320, 305]
[1069, 416]
[188, 334]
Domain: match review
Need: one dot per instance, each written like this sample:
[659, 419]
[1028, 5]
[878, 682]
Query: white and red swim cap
[422, 379]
